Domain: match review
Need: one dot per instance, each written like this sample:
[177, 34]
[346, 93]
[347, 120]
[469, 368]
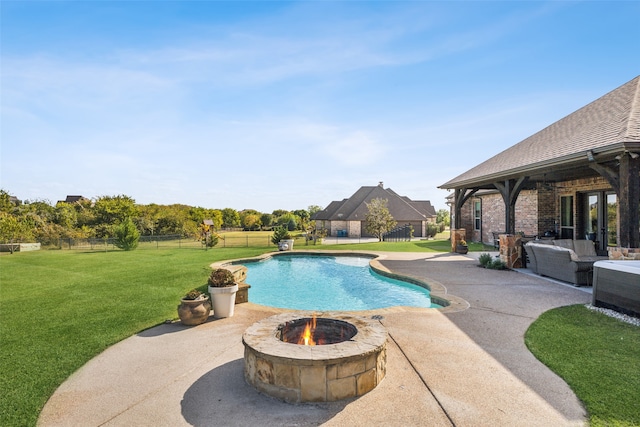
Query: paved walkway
[466, 366]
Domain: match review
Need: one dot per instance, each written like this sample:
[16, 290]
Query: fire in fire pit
[314, 331]
[297, 357]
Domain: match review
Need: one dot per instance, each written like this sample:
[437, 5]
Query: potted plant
[223, 288]
[282, 238]
[462, 247]
[194, 308]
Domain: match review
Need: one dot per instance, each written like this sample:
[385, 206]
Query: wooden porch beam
[461, 196]
[629, 200]
[510, 190]
[609, 174]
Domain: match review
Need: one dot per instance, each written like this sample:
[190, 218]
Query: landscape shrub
[432, 229]
[127, 235]
[280, 233]
[497, 264]
[485, 259]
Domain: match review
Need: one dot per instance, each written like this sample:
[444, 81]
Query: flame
[307, 335]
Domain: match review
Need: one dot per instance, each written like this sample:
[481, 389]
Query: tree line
[41, 221]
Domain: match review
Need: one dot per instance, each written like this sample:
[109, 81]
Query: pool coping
[439, 294]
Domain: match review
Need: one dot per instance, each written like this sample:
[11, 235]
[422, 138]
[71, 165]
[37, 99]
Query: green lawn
[58, 309]
[598, 356]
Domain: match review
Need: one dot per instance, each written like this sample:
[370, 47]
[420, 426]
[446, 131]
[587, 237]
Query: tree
[443, 217]
[266, 220]
[378, 218]
[5, 202]
[208, 237]
[13, 230]
[313, 209]
[215, 215]
[303, 218]
[112, 210]
[65, 215]
[230, 218]
[127, 235]
[285, 219]
[251, 221]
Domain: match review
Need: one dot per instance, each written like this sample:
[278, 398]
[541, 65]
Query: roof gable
[355, 207]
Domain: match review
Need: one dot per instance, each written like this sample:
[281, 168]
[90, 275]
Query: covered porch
[580, 175]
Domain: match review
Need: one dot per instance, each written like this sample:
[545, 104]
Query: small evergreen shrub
[127, 235]
[211, 240]
[280, 233]
[485, 259]
[497, 264]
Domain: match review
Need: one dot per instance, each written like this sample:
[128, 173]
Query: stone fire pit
[351, 363]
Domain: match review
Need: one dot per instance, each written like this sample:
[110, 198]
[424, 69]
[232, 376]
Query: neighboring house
[578, 178]
[347, 218]
[75, 199]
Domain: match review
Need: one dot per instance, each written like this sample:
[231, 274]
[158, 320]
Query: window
[477, 214]
[566, 217]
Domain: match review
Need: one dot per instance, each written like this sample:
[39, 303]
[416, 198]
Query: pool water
[328, 283]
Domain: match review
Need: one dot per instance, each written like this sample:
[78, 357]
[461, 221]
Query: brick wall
[537, 211]
[493, 213]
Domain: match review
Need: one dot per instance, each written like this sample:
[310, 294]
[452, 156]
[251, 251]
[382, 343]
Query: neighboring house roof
[610, 124]
[355, 207]
[74, 199]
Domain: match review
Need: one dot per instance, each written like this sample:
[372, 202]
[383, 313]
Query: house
[75, 199]
[347, 218]
[578, 178]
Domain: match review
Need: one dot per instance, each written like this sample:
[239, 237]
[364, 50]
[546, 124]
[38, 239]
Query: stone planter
[224, 300]
[462, 249]
[194, 311]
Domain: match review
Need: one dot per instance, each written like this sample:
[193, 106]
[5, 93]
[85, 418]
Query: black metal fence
[403, 233]
[172, 241]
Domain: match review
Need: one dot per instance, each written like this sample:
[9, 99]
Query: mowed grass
[58, 309]
[598, 356]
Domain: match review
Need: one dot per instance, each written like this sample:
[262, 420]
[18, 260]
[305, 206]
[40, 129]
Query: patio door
[601, 219]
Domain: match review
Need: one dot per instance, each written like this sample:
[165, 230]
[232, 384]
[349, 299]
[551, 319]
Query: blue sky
[282, 105]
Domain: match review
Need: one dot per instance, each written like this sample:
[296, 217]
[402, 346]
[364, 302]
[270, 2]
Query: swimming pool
[312, 282]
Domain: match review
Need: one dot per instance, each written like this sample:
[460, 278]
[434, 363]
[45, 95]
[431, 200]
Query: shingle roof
[610, 121]
[355, 207]
[74, 199]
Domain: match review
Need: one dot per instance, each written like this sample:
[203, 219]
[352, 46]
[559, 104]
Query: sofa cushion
[572, 254]
[564, 243]
[584, 248]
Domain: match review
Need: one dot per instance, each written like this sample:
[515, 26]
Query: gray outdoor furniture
[564, 259]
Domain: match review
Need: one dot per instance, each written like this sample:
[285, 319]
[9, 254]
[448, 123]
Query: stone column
[511, 250]
[624, 253]
[457, 235]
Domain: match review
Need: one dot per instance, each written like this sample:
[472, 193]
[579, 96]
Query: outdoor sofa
[564, 259]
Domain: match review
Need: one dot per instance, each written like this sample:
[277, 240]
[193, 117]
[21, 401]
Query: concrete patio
[466, 366]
